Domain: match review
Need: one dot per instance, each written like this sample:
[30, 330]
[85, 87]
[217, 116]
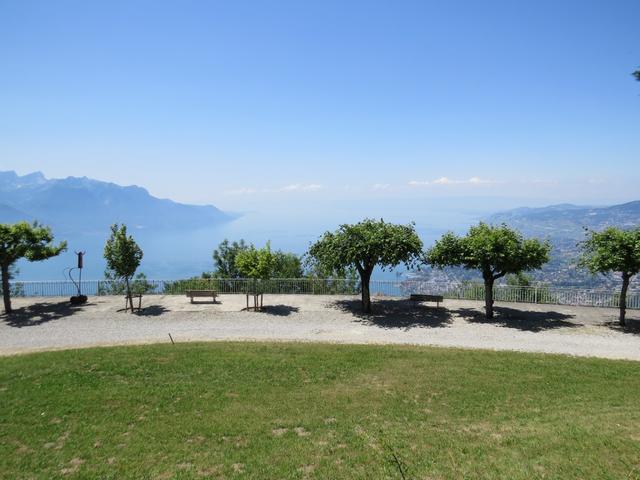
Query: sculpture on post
[79, 298]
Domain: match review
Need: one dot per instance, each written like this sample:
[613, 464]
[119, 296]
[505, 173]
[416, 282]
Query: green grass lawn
[249, 410]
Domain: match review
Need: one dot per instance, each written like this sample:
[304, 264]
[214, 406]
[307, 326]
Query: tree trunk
[488, 296]
[6, 289]
[126, 281]
[365, 277]
[623, 298]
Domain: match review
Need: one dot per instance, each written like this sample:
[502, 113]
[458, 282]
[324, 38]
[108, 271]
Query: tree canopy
[613, 250]
[33, 242]
[495, 251]
[285, 264]
[255, 263]
[224, 258]
[364, 246]
[637, 75]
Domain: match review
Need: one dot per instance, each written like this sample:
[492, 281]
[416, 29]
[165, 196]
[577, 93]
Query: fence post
[535, 294]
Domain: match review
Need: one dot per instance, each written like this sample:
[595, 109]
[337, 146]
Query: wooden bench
[415, 297]
[202, 294]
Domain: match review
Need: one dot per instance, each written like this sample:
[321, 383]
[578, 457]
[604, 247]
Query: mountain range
[566, 221]
[565, 227]
[85, 205]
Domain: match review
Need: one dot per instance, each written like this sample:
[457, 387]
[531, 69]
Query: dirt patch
[278, 432]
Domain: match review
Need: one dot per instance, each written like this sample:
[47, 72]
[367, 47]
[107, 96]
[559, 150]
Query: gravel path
[50, 323]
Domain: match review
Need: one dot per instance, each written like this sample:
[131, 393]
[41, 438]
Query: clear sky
[252, 104]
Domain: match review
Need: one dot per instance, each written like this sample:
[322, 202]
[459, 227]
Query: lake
[181, 254]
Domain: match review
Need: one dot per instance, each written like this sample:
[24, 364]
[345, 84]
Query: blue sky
[252, 105]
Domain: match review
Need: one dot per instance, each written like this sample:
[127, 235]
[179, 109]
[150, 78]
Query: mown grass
[245, 410]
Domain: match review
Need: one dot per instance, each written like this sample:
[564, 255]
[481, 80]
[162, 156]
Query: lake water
[182, 254]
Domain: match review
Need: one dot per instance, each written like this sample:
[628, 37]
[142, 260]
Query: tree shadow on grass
[396, 314]
[42, 312]
[279, 310]
[525, 320]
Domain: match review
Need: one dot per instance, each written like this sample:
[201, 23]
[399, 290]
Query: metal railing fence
[542, 294]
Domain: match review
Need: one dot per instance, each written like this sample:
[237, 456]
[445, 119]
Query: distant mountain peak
[81, 203]
[10, 177]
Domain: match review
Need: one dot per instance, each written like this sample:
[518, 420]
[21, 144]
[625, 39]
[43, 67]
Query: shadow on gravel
[152, 311]
[279, 310]
[525, 320]
[40, 313]
[396, 314]
[632, 327]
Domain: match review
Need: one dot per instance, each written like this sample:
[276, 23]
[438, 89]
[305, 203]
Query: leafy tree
[637, 75]
[363, 246]
[23, 240]
[287, 265]
[123, 256]
[254, 263]
[494, 250]
[224, 258]
[613, 250]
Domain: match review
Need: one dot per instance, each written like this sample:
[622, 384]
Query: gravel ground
[51, 323]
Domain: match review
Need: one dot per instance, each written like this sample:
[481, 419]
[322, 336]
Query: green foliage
[33, 242]
[287, 265]
[637, 75]
[122, 253]
[364, 246]
[257, 264]
[494, 250]
[224, 258]
[519, 279]
[367, 244]
[612, 250]
[112, 285]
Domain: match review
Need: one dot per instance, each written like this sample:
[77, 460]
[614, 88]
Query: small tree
[33, 242]
[613, 250]
[257, 264]
[494, 250]
[123, 256]
[363, 246]
[637, 75]
[224, 258]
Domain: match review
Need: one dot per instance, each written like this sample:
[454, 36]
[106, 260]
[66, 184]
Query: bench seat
[201, 294]
[417, 297]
